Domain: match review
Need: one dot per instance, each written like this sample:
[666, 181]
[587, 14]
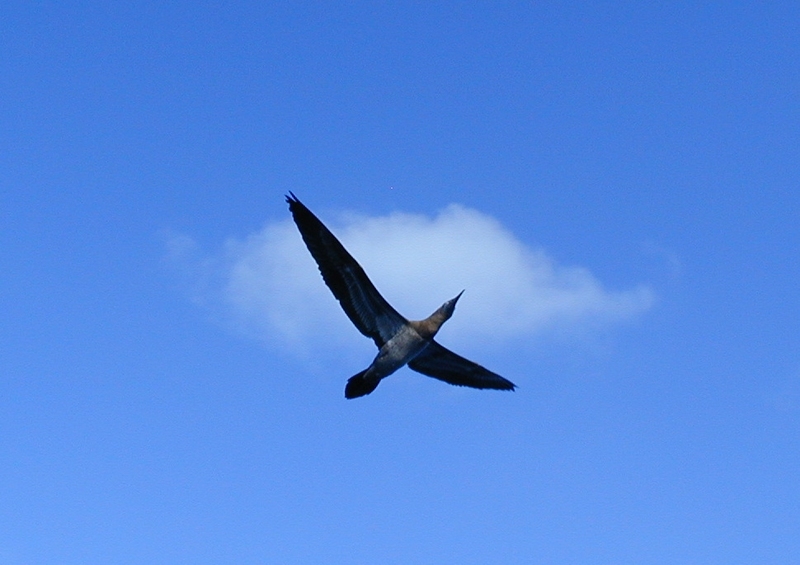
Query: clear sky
[615, 185]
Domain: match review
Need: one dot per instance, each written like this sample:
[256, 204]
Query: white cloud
[269, 282]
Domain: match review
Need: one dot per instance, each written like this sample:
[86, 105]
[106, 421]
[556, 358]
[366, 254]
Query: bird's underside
[400, 341]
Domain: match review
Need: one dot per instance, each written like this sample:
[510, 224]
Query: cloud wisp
[269, 285]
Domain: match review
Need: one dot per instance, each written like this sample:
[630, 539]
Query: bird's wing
[361, 301]
[441, 363]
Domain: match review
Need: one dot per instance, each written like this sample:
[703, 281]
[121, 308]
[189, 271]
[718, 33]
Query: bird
[400, 341]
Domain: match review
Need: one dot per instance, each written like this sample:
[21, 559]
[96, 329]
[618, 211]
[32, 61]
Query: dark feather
[361, 301]
[357, 385]
[441, 363]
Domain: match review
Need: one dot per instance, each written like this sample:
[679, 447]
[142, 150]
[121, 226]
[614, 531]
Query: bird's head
[449, 307]
[428, 327]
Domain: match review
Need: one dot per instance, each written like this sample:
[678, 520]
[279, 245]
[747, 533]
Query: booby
[400, 341]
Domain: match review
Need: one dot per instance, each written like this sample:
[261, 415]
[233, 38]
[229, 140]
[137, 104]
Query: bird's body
[400, 341]
[395, 353]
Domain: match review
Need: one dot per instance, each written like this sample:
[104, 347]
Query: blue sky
[619, 180]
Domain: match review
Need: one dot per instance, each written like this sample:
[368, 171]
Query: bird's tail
[357, 385]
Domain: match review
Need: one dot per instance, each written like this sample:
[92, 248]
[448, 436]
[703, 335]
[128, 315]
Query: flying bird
[400, 341]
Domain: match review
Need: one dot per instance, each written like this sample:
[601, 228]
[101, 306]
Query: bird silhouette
[399, 341]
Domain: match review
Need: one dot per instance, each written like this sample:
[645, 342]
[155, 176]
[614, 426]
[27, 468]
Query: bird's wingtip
[509, 386]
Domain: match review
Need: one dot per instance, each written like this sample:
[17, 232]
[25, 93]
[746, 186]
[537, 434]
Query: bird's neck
[428, 327]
